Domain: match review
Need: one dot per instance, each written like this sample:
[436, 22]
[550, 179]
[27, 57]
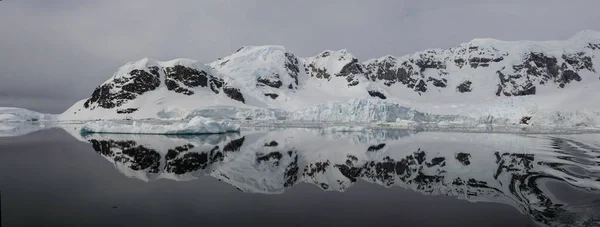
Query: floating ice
[197, 125]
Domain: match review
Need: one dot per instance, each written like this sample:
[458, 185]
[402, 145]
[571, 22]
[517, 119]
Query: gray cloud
[59, 51]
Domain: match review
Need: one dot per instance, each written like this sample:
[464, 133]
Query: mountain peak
[588, 35]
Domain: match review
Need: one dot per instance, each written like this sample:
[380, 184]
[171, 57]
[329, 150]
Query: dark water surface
[300, 177]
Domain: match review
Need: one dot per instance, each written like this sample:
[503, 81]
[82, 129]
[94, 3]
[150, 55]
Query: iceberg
[197, 125]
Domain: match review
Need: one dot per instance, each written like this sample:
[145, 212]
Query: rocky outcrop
[331, 64]
[410, 71]
[124, 88]
[147, 75]
[182, 79]
[538, 69]
[234, 93]
[272, 95]
[377, 94]
[464, 87]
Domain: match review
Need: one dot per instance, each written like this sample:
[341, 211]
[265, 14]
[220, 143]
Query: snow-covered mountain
[480, 78]
[500, 168]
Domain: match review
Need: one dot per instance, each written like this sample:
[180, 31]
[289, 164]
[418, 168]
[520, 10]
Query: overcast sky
[55, 52]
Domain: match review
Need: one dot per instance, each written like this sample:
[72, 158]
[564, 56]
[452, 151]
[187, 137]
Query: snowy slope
[143, 88]
[549, 82]
[499, 168]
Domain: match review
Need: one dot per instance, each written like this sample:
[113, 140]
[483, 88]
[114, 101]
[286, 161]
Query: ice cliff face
[273, 77]
[496, 168]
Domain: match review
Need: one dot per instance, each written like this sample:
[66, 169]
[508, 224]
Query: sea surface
[300, 177]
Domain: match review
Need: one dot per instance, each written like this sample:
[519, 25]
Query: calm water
[300, 177]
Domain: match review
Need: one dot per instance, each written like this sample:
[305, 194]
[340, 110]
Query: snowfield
[197, 125]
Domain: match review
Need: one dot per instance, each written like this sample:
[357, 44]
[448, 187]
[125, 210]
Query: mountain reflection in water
[523, 171]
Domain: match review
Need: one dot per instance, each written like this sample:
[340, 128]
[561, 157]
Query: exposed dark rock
[216, 84]
[353, 83]
[234, 145]
[314, 168]
[427, 62]
[271, 144]
[139, 83]
[172, 153]
[223, 63]
[579, 61]
[274, 82]
[291, 65]
[421, 87]
[463, 158]
[188, 163]
[126, 111]
[438, 82]
[313, 71]
[234, 93]
[464, 87]
[410, 72]
[136, 156]
[180, 78]
[594, 46]
[459, 62]
[350, 169]
[377, 94]
[437, 161]
[273, 156]
[353, 67]
[376, 147]
[537, 68]
[483, 62]
[272, 95]
[525, 120]
[291, 171]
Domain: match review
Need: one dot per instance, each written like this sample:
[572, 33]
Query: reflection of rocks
[270, 164]
[137, 157]
[463, 158]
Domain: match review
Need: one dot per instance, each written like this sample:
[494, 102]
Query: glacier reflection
[518, 170]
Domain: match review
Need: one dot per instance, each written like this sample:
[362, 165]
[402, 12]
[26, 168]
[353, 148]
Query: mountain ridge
[483, 70]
